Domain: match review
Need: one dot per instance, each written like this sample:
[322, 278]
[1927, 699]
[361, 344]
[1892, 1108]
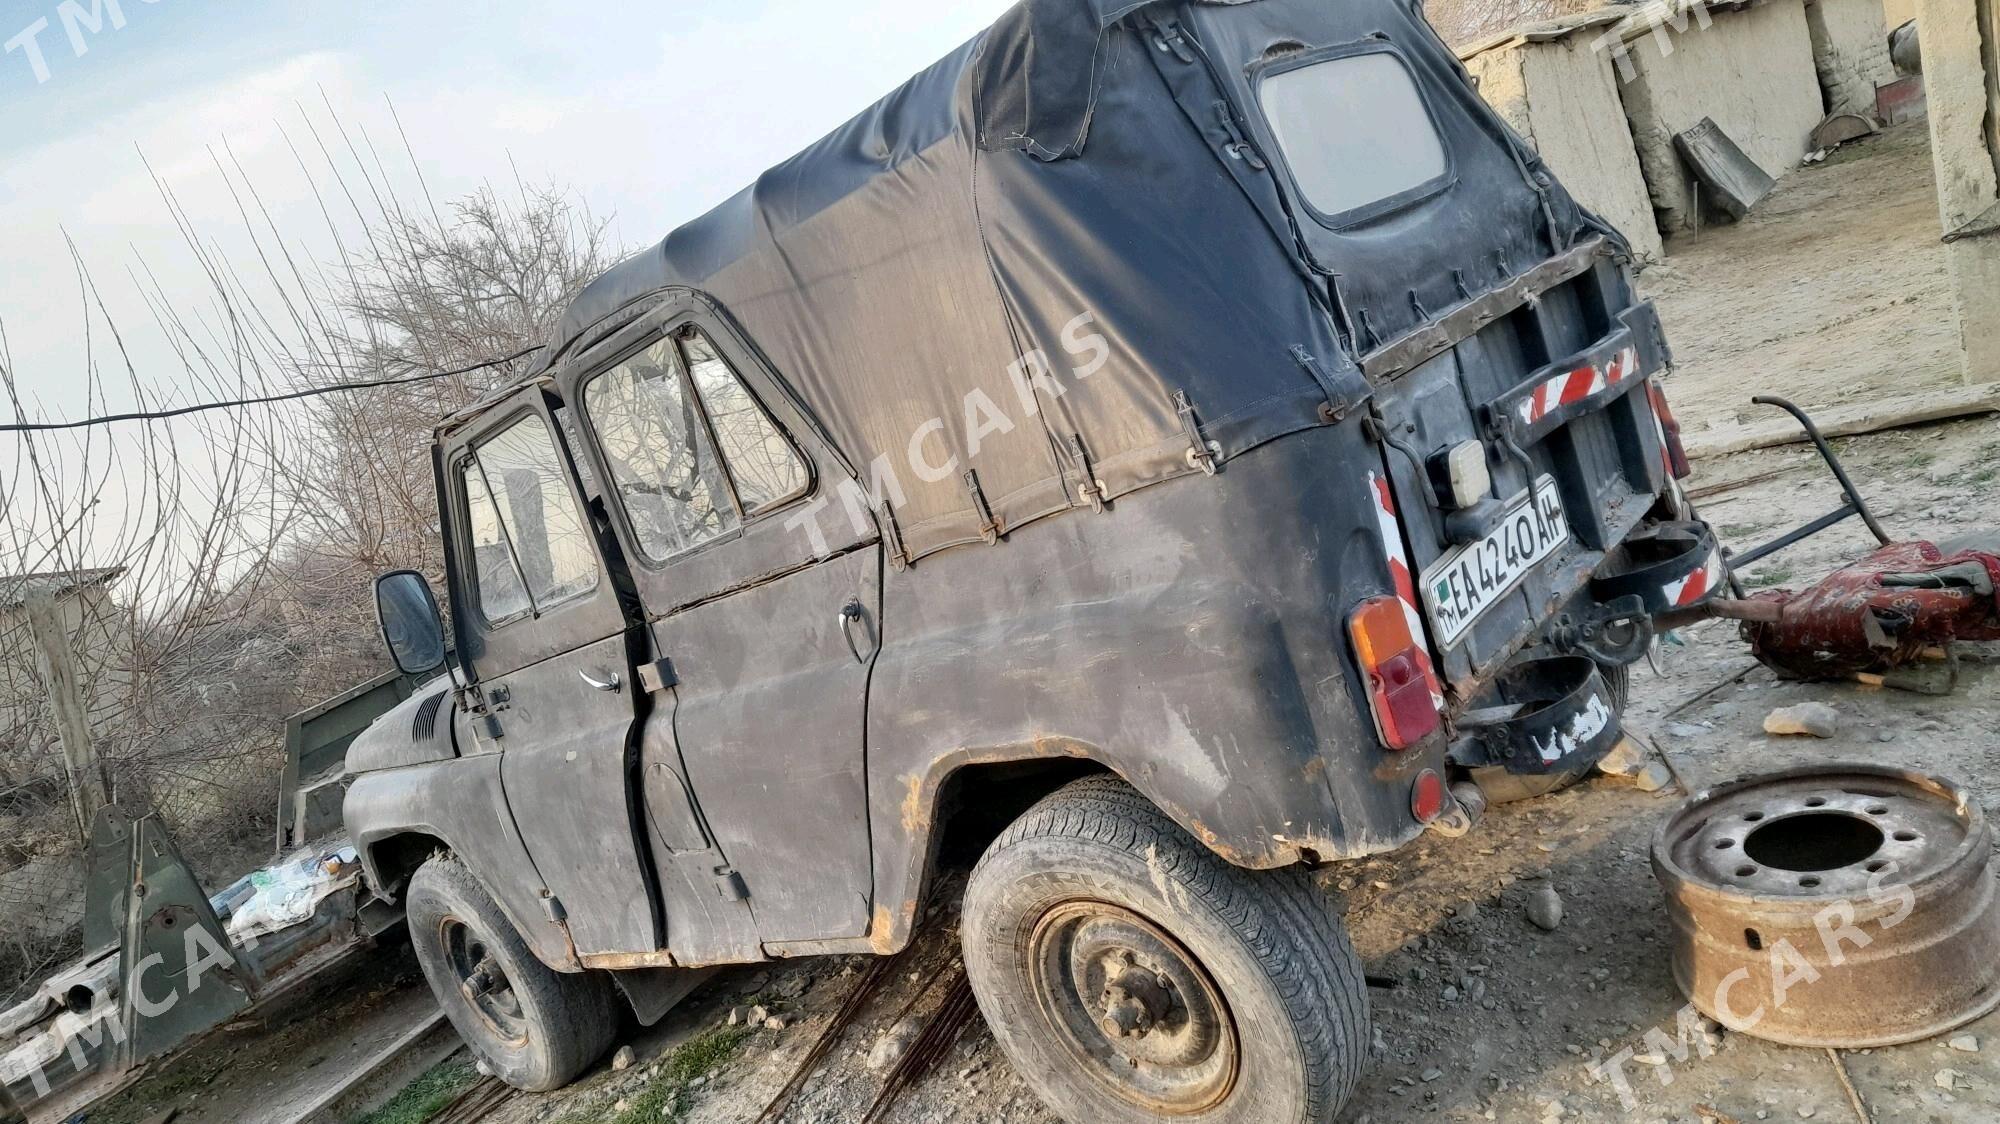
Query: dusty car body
[1216, 396]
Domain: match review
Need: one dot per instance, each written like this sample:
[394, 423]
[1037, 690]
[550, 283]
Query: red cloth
[1825, 631]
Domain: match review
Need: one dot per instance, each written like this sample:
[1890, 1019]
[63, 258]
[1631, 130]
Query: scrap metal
[941, 1032]
[879, 972]
[1753, 870]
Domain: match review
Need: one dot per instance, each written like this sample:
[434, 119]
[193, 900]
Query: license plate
[1463, 585]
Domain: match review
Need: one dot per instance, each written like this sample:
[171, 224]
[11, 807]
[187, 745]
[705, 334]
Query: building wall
[1751, 71]
[1562, 97]
[1899, 12]
[1581, 130]
[1850, 41]
[100, 638]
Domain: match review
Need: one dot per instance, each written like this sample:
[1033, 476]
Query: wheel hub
[1134, 1008]
[482, 982]
[1136, 1002]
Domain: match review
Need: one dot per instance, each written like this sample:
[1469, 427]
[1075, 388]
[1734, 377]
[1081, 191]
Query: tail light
[1427, 797]
[1402, 687]
[1670, 433]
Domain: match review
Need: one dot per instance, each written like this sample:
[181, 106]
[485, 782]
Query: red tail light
[1402, 688]
[1427, 797]
[1670, 432]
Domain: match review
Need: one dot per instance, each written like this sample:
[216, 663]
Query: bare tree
[244, 540]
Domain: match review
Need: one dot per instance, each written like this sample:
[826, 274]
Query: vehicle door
[766, 628]
[545, 636]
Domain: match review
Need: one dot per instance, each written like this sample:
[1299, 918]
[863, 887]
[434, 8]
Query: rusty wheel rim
[482, 982]
[1133, 1008]
[1845, 905]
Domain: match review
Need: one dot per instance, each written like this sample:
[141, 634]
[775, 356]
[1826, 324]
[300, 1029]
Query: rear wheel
[536, 1028]
[1131, 975]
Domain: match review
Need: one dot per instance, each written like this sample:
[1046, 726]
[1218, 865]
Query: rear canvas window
[1354, 131]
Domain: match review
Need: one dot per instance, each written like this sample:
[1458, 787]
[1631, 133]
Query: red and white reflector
[1402, 688]
[1427, 796]
[1670, 433]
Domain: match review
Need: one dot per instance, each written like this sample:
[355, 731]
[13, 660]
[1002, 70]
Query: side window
[659, 453]
[660, 441]
[766, 468]
[531, 548]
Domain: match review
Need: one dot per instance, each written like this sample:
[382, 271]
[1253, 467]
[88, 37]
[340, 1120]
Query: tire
[536, 1028]
[1503, 787]
[1240, 989]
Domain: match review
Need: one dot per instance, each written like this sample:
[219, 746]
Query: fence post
[59, 675]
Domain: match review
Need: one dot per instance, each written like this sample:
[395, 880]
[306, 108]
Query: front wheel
[536, 1028]
[1131, 975]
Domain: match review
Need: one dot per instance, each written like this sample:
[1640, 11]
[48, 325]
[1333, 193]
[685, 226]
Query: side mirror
[411, 626]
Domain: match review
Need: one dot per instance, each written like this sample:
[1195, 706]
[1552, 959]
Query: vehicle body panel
[463, 805]
[566, 746]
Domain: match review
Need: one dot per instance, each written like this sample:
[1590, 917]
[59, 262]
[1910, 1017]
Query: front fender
[461, 803]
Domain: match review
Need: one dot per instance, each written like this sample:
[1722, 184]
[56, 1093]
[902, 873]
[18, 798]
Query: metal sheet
[1734, 182]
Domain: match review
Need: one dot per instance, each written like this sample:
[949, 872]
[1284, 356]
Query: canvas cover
[1068, 192]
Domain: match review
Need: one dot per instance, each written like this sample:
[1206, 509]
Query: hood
[417, 732]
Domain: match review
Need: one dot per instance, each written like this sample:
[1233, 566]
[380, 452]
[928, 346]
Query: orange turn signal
[1402, 687]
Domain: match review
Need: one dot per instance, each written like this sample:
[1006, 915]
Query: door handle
[850, 615]
[615, 683]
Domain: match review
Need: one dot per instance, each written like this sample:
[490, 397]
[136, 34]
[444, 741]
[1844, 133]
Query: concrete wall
[1962, 72]
[1751, 70]
[1562, 97]
[1899, 12]
[1850, 41]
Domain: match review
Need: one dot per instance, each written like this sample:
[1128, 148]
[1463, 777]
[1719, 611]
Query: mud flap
[1540, 717]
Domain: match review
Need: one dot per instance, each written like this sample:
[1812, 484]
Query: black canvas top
[1069, 191]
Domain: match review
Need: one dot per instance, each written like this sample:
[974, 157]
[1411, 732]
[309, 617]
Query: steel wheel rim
[1133, 1008]
[482, 982]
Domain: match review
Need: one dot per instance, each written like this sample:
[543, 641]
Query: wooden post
[59, 675]
[1961, 45]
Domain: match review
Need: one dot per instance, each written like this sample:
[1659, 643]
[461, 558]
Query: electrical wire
[239, 403]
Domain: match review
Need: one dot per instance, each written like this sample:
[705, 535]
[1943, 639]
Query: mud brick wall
[1850, 42]
[1751, 70]
[1562, 97]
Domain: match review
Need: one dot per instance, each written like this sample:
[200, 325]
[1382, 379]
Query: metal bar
[1832, 459]
[871, 981]
[941, 1032]
[1792, 538]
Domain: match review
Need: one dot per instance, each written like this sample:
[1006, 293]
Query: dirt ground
[1833, 290]
[1836, 288]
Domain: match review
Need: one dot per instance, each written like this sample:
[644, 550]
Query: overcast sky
[653, 112]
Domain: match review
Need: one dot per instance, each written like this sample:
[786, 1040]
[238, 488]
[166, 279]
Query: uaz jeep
[1168, 446]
